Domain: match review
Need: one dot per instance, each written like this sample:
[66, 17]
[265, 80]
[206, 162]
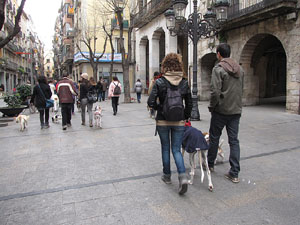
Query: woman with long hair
[171, 130]
[86, 87]
[41, 92]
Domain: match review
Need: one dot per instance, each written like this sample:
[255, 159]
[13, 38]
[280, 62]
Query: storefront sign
[105, 58]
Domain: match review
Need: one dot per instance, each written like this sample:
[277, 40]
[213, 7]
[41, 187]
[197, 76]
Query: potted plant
[14, 105]
[24, 91]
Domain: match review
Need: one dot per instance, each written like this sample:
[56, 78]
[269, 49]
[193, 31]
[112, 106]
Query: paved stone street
[112, 175]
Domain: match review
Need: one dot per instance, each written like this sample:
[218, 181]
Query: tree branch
[17, 27]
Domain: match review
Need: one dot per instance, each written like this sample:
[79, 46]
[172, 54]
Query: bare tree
[114, 7]
[89, 38]
[110, 37]
[17, 27]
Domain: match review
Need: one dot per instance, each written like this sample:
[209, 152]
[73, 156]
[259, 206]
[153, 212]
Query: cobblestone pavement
[112, 175]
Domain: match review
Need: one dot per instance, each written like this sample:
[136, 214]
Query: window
[48, 60]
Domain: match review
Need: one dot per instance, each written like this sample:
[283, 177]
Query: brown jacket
[66, 90]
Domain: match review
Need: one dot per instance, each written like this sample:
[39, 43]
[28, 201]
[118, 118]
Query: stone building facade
[264, 38]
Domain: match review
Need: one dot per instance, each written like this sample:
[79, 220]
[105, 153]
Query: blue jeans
[100, 96]
[138, 96]
[217, 123]
[176, 134]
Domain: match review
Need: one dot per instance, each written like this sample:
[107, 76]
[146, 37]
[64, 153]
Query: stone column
[154, 54]
[141, 60]
[171, 43]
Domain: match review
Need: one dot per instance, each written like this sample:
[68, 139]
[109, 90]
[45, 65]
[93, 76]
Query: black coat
[192, 139]
[159, 91]
[37, 97]
[85, 88]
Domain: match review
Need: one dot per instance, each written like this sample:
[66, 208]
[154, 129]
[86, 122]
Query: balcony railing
[114, 24]
[243, 12]
[150, 11]
[11, 65]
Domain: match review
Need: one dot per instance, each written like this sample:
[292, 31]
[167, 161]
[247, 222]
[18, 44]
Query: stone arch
[207, 63]
[263, 59]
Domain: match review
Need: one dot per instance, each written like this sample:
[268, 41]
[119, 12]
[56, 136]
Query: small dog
[23, 120]
[98, 116]
[78, 105]
[152, 112]
[56, 103]
[56, 118]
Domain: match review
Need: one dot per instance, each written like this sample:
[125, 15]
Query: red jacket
[66, 90]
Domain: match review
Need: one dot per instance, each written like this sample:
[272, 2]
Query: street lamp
[197, 26]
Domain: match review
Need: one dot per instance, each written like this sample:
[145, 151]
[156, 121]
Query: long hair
[92, 82]
[172, 62]
[42, 79]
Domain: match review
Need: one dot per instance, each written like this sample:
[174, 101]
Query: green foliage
[21, 70]
[13, 100]
[24, 91]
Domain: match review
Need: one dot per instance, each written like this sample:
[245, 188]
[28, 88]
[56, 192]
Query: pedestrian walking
[74, 97]
[65, 91]
[138, 89]
[170, 123]
[87, 87]
[41, 92]
[156, 75]
[114, 93]
[99, 90]
[104, 88]
[226, 108]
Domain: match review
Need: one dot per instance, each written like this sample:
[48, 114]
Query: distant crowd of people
[85, 93]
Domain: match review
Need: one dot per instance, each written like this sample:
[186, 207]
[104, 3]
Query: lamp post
[197, 26]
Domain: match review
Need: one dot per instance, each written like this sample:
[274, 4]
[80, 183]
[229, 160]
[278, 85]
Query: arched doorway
[264, 61]
[208, 61]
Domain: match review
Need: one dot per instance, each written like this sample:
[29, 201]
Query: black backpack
[117, 90]
[173, 109]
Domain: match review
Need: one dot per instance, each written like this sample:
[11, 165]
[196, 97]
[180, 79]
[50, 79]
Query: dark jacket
[226, 87]
[66, 90]
[192, 139]
[99, 87]
[37, 98]
[159, 91]
[85, 88]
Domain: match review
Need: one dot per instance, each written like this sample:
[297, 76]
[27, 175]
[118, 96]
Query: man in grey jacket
[226, 108]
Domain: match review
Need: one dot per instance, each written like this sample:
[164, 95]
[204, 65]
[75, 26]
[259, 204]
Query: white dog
[98, 116]
[55, 98]
[56, 118]
[23, 120]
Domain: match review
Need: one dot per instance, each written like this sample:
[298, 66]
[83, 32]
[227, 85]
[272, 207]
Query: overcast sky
[43, 14]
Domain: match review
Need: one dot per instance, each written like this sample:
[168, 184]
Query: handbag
[49, 102]
[91, 97]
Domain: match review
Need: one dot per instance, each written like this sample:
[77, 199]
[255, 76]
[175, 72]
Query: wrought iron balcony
[71, 33]
[150, 11]
[245, 12]
[115, 24]
[11, 65]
